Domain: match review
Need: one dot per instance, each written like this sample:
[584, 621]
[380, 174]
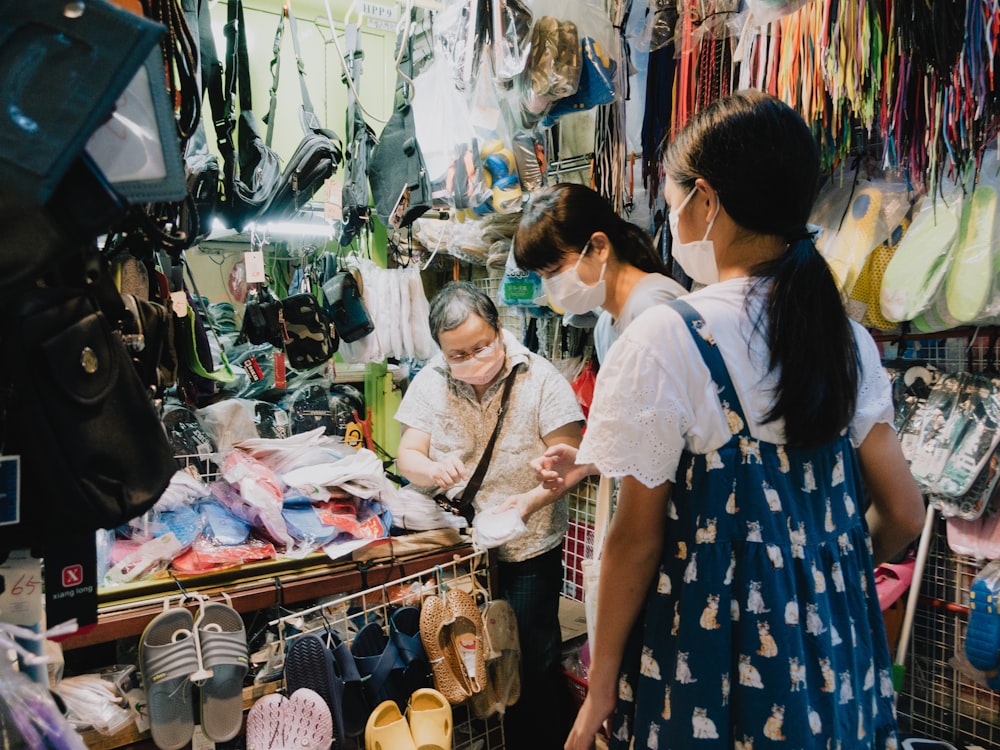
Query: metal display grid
[942, 696]
[347, 614]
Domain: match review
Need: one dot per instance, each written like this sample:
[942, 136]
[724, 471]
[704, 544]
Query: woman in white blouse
[742, 422]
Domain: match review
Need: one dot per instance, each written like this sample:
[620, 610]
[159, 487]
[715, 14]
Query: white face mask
[696, 258]
[568, 292]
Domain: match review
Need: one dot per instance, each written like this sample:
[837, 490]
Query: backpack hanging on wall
[396, 171]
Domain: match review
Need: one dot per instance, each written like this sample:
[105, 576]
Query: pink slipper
[892, 580]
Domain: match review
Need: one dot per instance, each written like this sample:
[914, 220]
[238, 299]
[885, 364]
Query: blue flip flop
[380, 666]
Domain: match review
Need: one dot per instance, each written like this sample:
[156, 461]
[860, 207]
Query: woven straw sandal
[467, 637]
[435, 632]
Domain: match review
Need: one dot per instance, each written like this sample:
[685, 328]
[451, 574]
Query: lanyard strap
[472, 488]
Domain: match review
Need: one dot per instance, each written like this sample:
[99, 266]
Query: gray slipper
[167, 657]
[223, 642]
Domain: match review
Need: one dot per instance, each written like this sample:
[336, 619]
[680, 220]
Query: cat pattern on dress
[835, 639]
[706, 534]
[734, 610]
[837, 576]
[828, 526]
[689, 476]
[625, 689]
[709, 615]
[648, 667]
[733, 419]
[815, 723]
[682, 550]
[819, 580]
[677, 618]
[682, 673]
[753, 532]
[869, 677]
[623, 734]
[653, 741]
[797, 538]
[702, 726]
[731, 570]
[731, 508]
[861, 724]
[792, 612]
[672, 510]
[774, 553]
[691, 571]
[772, 497]
[749, 675]
[783, 466]
[666, 704]
[750, 450]
[846, 688]
[745, 744]
[796, 673]
[849, 505]
[725, 688]
[663, 585]
[755, 600]
[837, 476]
[814, 623]
[808, 477]
[844, 544]
[885, 688]
[714, 461]
[773, 726]
[768, 647]
[829, 678]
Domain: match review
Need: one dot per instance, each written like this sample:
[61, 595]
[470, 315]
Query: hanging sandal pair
[176, 650]
[451, 628]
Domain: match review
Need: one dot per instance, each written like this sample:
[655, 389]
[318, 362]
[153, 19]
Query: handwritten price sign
[21, 596]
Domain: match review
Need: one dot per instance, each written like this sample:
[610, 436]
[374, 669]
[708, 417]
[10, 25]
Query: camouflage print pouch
[309, 339]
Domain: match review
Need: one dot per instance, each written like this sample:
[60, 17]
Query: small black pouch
[148, 334]
[346, 307]
[263, 320]
[309, 341]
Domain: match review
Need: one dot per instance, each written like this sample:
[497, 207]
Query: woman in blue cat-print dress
[737, 604]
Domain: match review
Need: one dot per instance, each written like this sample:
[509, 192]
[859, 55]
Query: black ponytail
[812, 345]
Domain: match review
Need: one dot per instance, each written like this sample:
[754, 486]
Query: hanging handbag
[462, 505]
[263, 319]
[346, 307]
[251, 170]
[318, 154]
[400, 186]
[92, 449]
[309, 341]
[360, 140]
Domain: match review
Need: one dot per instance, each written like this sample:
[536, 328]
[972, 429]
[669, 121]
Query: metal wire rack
[578, 544]
[348, 614]
[942, 696]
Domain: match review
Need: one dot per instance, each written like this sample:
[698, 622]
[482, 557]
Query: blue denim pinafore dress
[762, 628]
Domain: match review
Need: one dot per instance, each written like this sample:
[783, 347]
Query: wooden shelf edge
[249, 592]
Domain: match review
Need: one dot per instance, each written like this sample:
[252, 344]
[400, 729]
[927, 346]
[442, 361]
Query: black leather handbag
[318, 154]
[346, 307]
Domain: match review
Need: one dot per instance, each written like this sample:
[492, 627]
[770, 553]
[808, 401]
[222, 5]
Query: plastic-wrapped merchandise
[29, 717]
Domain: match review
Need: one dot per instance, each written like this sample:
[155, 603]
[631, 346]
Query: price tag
[254, 263]
[21, 598]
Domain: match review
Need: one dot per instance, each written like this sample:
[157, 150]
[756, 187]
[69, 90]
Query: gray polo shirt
[541, 401]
